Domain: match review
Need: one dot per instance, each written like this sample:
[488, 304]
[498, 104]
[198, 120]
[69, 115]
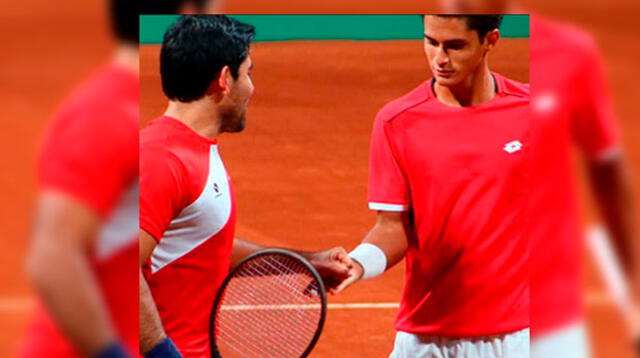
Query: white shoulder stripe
[199, 221]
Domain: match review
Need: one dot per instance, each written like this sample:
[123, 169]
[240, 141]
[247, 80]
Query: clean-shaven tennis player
[571, 109]
[449, 178]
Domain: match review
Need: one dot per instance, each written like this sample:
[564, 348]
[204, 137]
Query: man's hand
[355, 274]
[334, 265]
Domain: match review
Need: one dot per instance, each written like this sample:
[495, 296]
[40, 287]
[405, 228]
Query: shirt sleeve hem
[154, 235]
[388, 207]
[607, 153]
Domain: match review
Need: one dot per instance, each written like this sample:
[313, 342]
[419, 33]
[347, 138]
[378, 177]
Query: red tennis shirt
[464, 174]
[187, 205]
[571, 108]
[90, 153]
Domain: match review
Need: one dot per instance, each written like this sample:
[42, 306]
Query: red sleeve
[162, 190]
[388, 188]
[91, 155]
[594, 126]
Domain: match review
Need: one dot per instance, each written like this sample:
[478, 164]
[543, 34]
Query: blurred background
[47, 50]
[50, 48]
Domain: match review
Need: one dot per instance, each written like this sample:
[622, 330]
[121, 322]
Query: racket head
[282, 254]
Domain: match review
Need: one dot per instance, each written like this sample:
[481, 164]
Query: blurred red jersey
[570, 106]
[463, 172]
[90, 153]
[187, 205]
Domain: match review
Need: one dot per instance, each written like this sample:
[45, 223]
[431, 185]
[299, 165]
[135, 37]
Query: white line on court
[25, 304]
[338, 306]
[16, 304]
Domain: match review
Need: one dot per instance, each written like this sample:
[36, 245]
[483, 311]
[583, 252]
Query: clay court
[299, 169]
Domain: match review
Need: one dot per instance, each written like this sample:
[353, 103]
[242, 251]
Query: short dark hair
[124, 21]
[196, 48]
[482, 24]
[169, 6]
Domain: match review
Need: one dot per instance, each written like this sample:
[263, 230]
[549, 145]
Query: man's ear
[492, 38]
[222, 83]
[225, 80]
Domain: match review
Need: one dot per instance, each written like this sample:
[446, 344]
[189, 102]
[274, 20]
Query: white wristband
[372, 259]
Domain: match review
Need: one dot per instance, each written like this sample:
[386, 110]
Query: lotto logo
[513, 146]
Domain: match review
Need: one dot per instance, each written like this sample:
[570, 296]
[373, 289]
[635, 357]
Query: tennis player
[187, 206]
[572, 111]
[571, 108]
[450, 178]
[83, 254]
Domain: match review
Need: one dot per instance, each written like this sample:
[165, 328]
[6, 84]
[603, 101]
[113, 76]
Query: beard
[233, 120]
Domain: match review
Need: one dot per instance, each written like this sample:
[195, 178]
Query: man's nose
[442, 58]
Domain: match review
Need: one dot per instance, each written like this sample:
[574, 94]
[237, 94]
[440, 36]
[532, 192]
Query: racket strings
[269, 309]
[269, 334]
[269, 303]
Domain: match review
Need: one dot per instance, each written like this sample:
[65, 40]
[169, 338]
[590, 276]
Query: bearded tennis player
[187, 205]
[449, 179]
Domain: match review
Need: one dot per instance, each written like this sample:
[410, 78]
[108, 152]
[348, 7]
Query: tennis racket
[272, 304]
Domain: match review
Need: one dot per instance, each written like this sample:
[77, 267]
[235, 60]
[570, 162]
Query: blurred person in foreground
[572, 107]
[187, 204]
[449, 179]
[83, 253]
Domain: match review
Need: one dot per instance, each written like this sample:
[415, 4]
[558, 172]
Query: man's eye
[456, 46]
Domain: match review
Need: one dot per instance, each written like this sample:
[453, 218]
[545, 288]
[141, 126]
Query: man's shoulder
[398, 106]
[108, 92]
[158, 143]
[513, 87]
[555, 35]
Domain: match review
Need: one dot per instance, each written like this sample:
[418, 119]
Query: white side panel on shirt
[199, 221]
[121, 228]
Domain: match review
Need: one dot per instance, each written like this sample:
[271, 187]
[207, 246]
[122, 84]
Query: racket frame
[271, 251]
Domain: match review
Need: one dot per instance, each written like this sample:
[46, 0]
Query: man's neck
[127, 56]
[477, 89]
[197, 115]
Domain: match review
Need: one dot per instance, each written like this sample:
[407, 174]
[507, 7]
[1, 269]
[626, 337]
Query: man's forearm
[243, 248]
[391, 239]
[383, 247]
[70, 293]
[614, 196]
[151, 331]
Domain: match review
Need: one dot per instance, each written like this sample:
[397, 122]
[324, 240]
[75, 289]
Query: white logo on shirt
[512, 146]
[545, 102]
[216, 188]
